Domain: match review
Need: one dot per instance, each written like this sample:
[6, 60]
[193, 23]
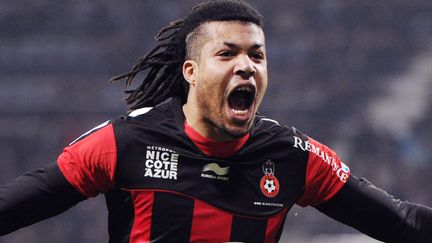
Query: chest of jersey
[262, 179]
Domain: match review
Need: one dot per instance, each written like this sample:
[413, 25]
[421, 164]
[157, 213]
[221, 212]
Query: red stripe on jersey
[143, 207]
[325, 174]
[273, 226]
[89, 164]
[210, 224]
[215, 148]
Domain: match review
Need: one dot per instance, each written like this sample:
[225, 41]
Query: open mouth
[241, 99]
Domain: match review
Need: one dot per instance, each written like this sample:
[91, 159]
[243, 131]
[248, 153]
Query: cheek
[207, 94]
[262, 85]
[212, 87]
[212, 84]
[262, 69]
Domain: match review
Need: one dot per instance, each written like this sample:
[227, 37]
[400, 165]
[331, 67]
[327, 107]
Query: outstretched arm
[34, 196]
[374, 212]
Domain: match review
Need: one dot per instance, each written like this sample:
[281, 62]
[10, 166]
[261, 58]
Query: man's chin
[236, 132]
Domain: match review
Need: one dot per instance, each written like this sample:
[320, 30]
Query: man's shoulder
[269, 135]
[150, 115]
[148, 124]
[271, 127]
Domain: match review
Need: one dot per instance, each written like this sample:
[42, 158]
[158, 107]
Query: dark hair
[164, 77]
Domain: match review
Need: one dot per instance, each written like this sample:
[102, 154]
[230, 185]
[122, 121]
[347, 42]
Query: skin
[232, 55]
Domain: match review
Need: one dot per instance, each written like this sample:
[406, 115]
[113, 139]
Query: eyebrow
[237, 47]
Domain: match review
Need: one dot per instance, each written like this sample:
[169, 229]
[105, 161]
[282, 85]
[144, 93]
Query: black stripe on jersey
[248, 229]
[121, 215]
[168, 221]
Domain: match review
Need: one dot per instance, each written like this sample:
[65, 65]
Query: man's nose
[245, 67]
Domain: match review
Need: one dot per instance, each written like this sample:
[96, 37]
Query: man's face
[230, 77]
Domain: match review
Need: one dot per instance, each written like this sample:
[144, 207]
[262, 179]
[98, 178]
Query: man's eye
[257, 55]
[226, 53]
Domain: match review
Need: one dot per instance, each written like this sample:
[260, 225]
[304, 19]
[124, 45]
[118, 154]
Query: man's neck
[221, 149]
[193, 119]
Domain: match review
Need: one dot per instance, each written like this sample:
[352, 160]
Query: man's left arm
[374, 212]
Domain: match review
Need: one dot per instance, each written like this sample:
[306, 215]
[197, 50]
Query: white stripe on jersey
[140, 111]
[90, 131]
[270, 120]
[134, 113]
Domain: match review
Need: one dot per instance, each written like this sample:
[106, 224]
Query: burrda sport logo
[215, 171]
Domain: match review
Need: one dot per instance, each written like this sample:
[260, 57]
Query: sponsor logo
[214, 171]
[269, 184]
[215, 168]
[161, 163]
[342, 171]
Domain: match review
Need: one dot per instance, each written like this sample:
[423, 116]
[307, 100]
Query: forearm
[378, 214]
[35, 196]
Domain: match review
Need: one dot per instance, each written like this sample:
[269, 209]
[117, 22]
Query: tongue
[238, 100]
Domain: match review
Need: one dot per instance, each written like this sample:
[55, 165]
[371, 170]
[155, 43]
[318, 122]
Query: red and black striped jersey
[161, 186]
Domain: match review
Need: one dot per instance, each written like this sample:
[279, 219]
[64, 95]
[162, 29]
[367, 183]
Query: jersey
[160, 187]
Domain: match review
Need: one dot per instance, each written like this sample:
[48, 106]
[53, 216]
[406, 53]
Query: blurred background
[355, 75]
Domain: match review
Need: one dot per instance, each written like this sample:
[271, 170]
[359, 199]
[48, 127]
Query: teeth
[240, 112]
[245, 88]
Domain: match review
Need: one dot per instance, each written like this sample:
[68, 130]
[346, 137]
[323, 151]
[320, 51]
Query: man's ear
[190, 69]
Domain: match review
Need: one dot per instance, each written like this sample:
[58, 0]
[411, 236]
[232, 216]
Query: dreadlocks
[164, 77]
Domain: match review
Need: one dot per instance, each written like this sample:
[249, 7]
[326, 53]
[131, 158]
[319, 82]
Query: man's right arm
[84, 169]
[35, 196]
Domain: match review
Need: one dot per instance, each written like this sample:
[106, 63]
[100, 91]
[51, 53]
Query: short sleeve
[326, 174]
[88, 164]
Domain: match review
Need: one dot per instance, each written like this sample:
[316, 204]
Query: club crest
[269, 184]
